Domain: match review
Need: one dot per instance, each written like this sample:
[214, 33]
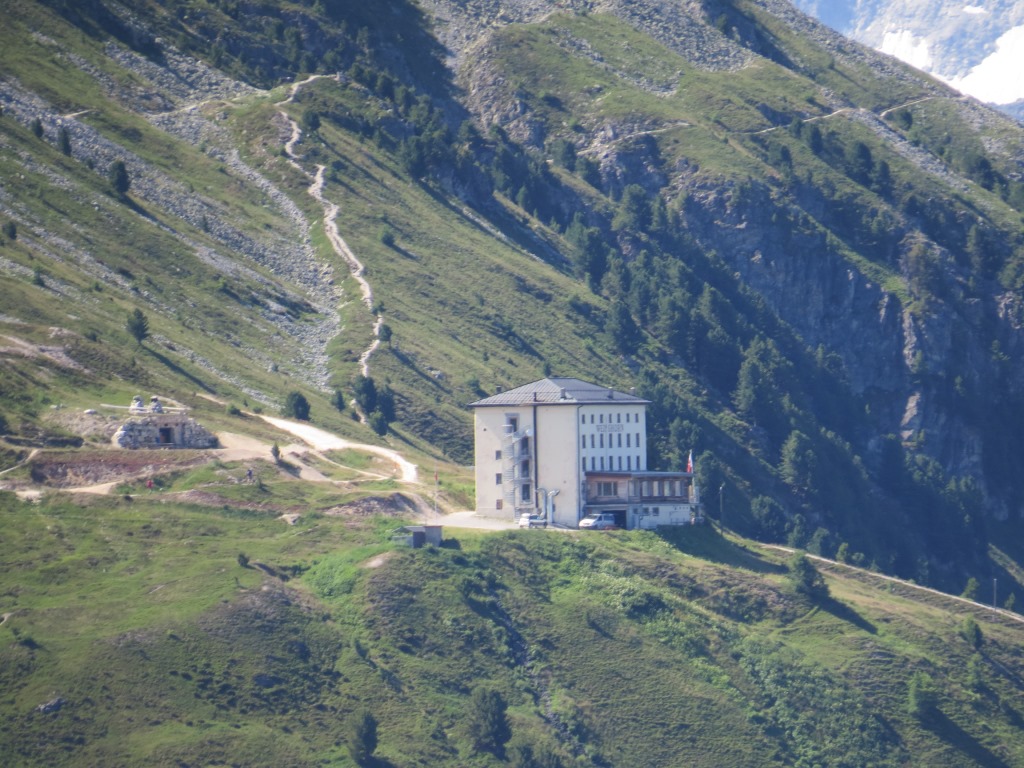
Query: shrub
[10, 230]
[922, 696]
[487, 722]
[64, 141]
[378, 423]
[296, 406]
[311, 120]
[971, 632]
[525, 754]
[805, 577]
[360, 733]
[365, 391]
[338, 400]
[970, 590]
[118, 177]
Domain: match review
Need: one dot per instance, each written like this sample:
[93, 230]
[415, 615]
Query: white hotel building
[563, 447]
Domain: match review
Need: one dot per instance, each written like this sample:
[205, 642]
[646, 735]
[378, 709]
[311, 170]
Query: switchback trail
[341, 248]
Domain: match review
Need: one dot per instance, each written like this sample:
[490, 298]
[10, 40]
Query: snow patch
[999, 78]
[907, 47]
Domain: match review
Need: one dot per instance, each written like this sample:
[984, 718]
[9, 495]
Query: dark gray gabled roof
[559, 390]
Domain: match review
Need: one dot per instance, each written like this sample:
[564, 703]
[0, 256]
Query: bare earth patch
[397, 505]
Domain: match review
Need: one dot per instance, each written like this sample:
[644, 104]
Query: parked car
[532, 521]
[599, 521]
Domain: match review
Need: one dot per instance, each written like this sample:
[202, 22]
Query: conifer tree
[119, 179]
[137, 325]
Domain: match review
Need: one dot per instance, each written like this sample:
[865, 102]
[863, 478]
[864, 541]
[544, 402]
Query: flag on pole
[689, 463]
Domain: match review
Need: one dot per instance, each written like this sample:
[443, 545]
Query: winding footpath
[356, 268]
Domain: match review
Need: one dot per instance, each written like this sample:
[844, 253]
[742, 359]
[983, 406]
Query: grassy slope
[650, 651]
[133, 614]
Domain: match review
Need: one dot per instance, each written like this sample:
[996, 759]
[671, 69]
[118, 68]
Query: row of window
[597, 463]
[634, 417]
[647, 488]
[600, 441]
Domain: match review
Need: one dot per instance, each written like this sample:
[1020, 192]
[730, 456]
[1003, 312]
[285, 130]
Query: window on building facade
[620, 463]
[593, 464]
[497, 504]
[591, 418]
[591, 441]
[497, 454]
[525, 492]
[600, 418]
[627, 440]
[618, 418]
[583, 418]
[629, 463]
[637, 439]
[497, 478]
[583, 441]
[601, 440]
[608, 489]
[583, 463]
[602, 462]
[620, 439]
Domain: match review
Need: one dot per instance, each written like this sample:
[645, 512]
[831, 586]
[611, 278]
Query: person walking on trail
[149, 483]
[248, 475]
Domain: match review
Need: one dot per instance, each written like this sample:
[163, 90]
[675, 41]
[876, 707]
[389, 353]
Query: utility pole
[993, 591]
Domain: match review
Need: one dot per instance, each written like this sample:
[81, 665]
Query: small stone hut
[154, 426]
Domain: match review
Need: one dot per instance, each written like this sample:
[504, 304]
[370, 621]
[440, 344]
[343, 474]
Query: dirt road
[322, 440]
